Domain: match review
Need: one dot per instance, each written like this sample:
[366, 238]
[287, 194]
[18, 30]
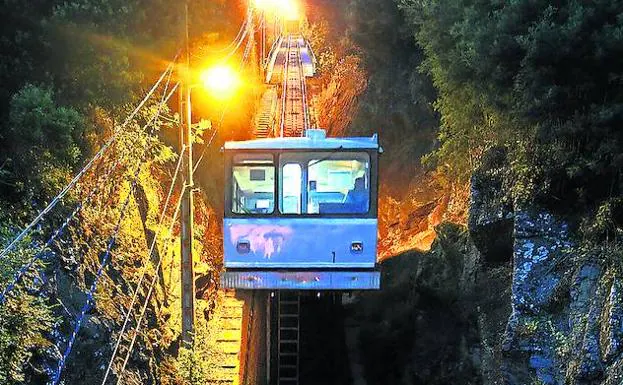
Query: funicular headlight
[356, 247]
[243, 247]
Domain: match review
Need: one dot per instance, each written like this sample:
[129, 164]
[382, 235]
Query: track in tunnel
[323, 355]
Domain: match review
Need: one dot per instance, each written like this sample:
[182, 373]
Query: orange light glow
[264, 4]
[220, 81]
[288, 9]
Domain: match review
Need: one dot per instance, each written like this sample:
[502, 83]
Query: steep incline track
[294, 119]
[226, 329]
[233, 349]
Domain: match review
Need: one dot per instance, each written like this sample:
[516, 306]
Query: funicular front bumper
[301, 280]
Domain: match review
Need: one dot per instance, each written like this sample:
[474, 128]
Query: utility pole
[263, 60]
[251, 27]
[187, 266]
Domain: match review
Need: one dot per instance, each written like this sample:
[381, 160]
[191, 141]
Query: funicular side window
[325, 183]
[253, 184]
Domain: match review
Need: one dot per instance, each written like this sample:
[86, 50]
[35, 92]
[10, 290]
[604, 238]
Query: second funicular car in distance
[301, 213]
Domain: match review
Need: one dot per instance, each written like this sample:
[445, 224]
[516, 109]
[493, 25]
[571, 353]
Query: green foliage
[541, 80]
[606, 222]
[41, 142]
[69, 73]
[23, 324]
[22, 51]
[192, 368]
[398, 101]
[25, 321]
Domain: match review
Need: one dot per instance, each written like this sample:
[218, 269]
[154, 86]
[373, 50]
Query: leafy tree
[41, 144]
[398, 100]
[69, 73]
[538, 78]
[24, 323]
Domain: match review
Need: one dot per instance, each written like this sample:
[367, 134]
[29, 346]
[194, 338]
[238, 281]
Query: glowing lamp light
[221, 81]
[289, 9]
[263, 4]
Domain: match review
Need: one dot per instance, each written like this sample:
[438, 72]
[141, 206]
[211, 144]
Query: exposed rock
[490, 219]
[590, 366]
[567, 314]
[584, 288]
[540, 244]
[422, 327]
[557, 319]
[613, 331]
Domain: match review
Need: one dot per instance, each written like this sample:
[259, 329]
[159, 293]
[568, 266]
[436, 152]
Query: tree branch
[4, 163]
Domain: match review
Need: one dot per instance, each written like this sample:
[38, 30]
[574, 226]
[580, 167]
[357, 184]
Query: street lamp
[221, 81]
[282, 10]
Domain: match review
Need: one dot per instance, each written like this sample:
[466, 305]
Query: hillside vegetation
[70, 72]
[448, 81]
[528, 99]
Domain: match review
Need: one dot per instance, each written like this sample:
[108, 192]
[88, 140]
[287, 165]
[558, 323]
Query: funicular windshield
[253, 184]
[324, 183]
[310, 183]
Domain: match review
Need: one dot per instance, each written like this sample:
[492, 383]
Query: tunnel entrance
[307, 343]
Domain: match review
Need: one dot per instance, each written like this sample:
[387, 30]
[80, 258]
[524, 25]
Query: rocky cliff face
[515, 298]
[438, 317]
[565, 323]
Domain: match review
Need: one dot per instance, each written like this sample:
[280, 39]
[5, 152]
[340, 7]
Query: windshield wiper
[326, 157]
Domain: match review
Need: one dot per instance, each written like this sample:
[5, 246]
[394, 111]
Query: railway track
[294, 115]
[227, 323]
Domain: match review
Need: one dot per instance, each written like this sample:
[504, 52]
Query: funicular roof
[310, 142]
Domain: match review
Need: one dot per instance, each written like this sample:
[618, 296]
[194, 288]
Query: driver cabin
[301, 213]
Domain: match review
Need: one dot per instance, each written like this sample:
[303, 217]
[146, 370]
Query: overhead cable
[59, 232]
[28, 229]
[140, 282]
[55, 235]
[56, 375]
[151, 288]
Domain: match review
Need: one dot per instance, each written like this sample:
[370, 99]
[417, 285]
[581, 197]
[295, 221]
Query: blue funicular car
[301, 213]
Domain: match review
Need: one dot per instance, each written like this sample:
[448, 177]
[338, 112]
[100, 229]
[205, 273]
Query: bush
[26, 323]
